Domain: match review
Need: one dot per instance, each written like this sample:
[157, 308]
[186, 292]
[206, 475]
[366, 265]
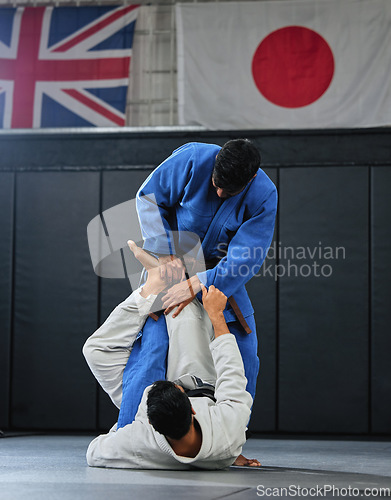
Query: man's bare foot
[154, 284]
[247, 462]
[142, 256]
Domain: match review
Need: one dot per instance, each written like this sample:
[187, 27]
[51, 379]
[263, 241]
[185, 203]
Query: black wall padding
[118, 187]
[381, 300]
[324, 342]
[55, 301]
[6, 225]
[323, 321]
[262, 291]
[150, 147]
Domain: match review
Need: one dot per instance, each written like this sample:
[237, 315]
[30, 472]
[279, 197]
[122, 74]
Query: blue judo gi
[236, 232]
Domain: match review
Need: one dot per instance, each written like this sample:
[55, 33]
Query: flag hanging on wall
[65, 66]
[284, 64]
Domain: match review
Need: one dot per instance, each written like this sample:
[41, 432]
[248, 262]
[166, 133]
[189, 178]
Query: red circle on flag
[293, 66]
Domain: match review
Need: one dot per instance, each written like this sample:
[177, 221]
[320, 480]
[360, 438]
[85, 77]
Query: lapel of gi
[223, 213]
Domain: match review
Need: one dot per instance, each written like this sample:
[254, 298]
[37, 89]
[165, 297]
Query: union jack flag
[65, 66]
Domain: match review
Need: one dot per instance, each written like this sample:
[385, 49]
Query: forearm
[233, 402]
[220, 326]
[231, 381]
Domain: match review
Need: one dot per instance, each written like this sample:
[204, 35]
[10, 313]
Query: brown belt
[239, 314]
[209, 265]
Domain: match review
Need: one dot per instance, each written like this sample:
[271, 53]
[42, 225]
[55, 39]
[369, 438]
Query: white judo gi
[192, 350]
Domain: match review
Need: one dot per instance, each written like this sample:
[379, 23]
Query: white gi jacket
[138, 445]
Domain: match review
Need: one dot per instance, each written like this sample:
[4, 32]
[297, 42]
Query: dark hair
[169, 409]
[236, 164]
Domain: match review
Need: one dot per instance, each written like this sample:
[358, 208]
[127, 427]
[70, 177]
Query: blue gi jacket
[238, 230]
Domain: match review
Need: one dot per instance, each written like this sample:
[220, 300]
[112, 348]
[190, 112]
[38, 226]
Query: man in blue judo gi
[220, 194]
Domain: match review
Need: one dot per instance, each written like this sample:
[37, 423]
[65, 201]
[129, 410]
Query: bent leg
[147, 362]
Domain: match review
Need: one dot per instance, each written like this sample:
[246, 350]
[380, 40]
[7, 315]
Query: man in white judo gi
[172, 430]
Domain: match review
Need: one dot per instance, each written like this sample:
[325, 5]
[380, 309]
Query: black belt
[201, 393]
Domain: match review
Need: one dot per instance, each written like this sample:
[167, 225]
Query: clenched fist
[214, 301]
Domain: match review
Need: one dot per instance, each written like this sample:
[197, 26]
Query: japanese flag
[285, 64]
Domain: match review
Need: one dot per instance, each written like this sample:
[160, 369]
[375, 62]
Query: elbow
[90, 457]
[88, 351]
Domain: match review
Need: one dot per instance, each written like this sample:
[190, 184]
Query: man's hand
[214, 303]
[181, 295]
[172, 269]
